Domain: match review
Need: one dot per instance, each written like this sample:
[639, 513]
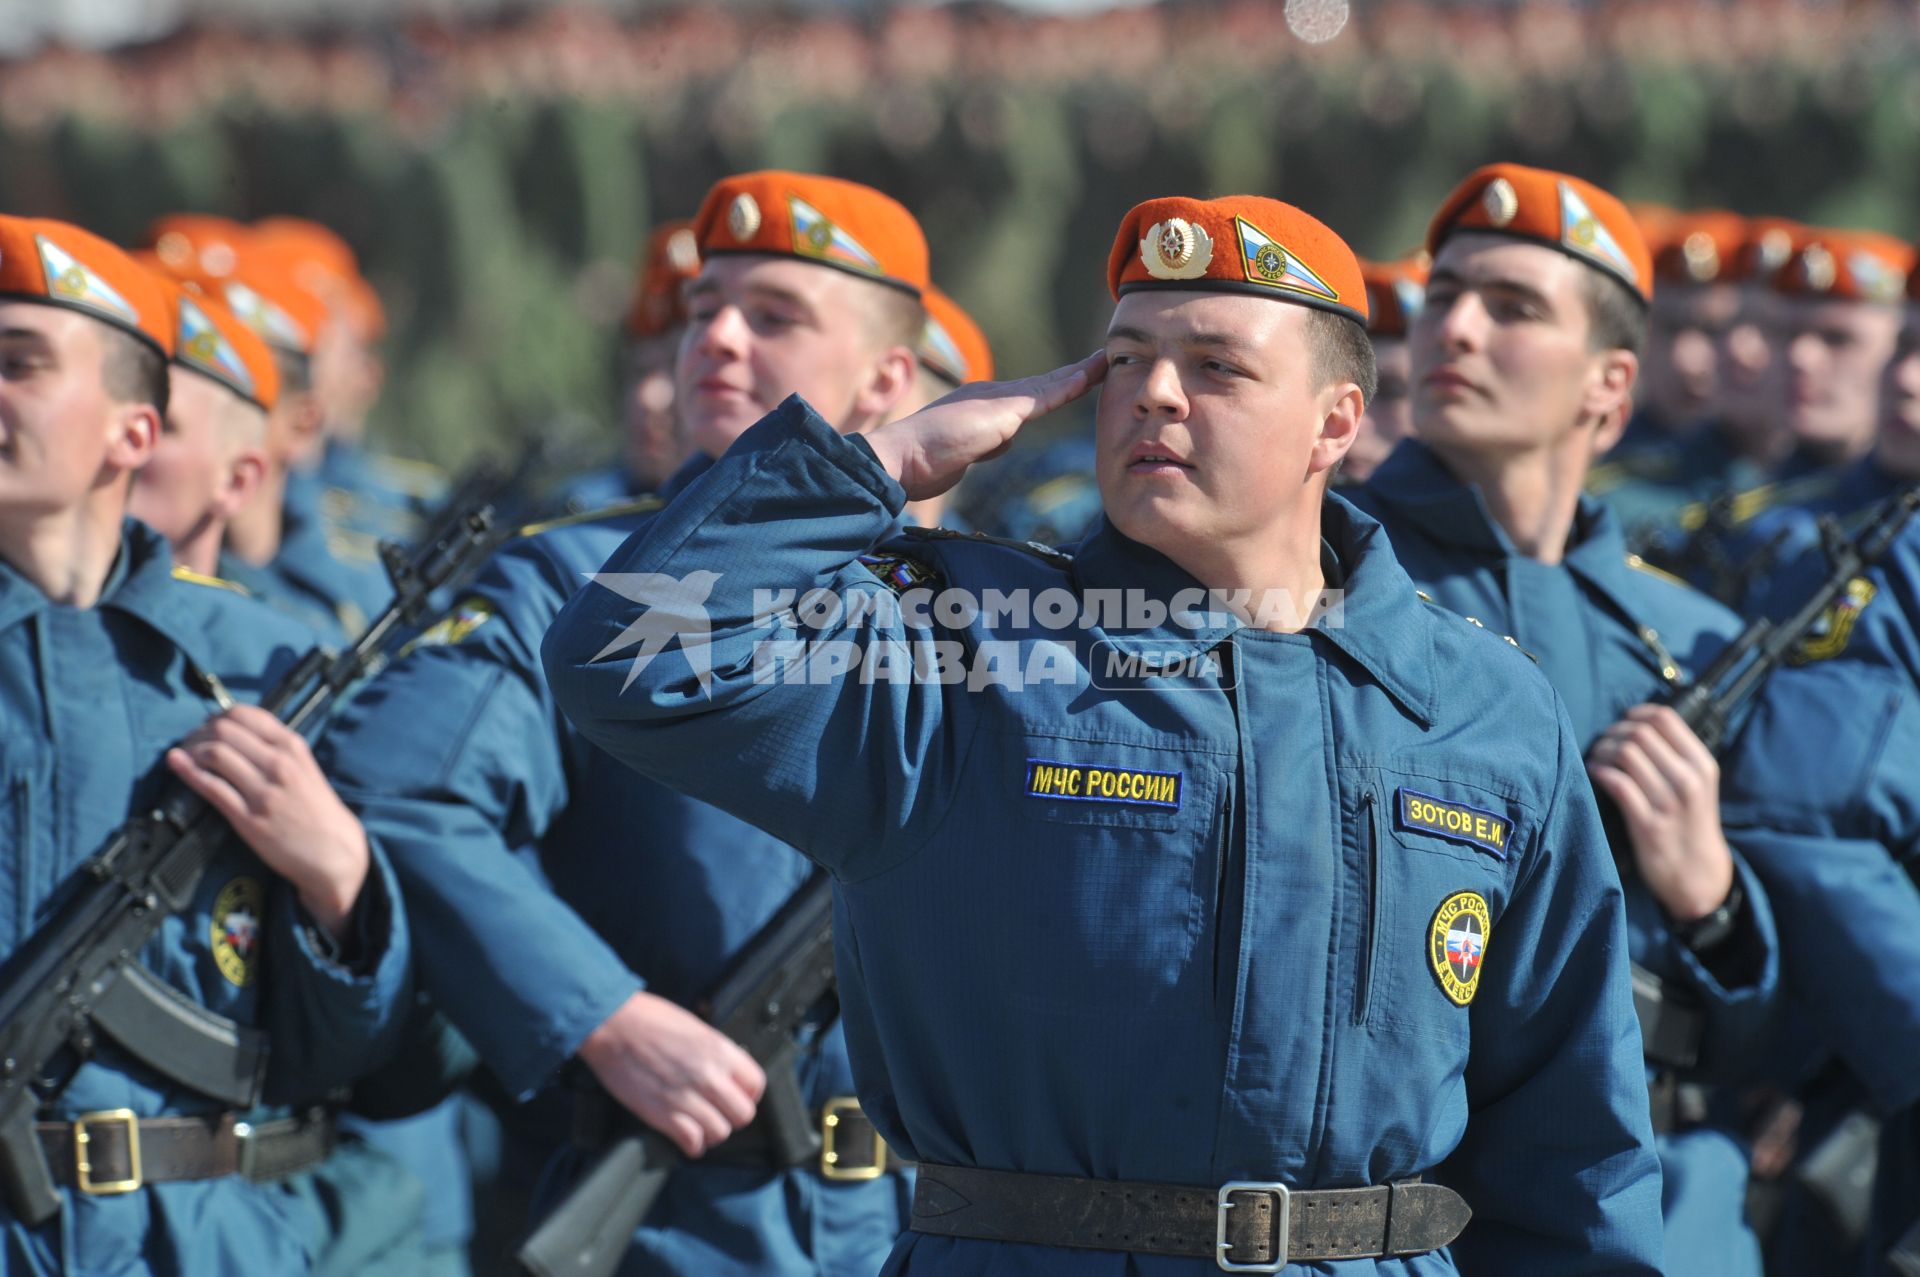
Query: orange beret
[328, 266]
[952, 347]
[1555, 209]
[210, 339]
[56, 264]
[1701, 247]
[1860, 266]
[1396, 292]
[271, 292]
[672, 258]
[197, 245]
[1236, 244]
[824, 220]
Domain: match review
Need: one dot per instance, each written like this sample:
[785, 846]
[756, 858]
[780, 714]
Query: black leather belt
[1243, 1227]
[114, 1151]
[845, 1147]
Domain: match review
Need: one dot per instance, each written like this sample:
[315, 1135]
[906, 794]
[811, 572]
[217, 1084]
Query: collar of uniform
[680, 480]
[1385, 627]
[1597, 554]
[1419, 487]
[21, 598]
[1111, 561]
[148, 592]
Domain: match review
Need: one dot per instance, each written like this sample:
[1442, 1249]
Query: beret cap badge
[743, 216]
[1176, 249]
[1501, 201]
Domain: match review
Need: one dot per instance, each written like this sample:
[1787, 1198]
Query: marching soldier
[1525, 363]
[503, 823]
[297, 934]
[1197, 947]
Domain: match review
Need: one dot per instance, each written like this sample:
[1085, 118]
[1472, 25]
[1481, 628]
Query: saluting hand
[674, 1071]
[260, 774]
[930, 450]
[1666, 783]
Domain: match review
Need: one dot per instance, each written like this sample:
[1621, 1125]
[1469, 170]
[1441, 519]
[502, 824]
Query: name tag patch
[1090, 783]
[1455, 821]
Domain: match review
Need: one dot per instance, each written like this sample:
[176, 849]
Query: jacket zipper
[1370, 943]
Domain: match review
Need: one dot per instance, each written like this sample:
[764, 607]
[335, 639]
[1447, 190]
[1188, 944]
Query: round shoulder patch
[238, 912]
[1456, 942]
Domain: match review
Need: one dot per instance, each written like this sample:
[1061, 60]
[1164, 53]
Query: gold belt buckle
[83, 1169]
[830, 1159]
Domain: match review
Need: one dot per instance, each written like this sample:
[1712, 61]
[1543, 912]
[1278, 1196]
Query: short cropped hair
[1616, 317]
[131, 371]
[895, 316]
[1341, 352]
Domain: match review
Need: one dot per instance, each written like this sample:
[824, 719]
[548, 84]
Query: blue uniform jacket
[549, 883]
[1610, 635]
[93, 698]
[1228, 972]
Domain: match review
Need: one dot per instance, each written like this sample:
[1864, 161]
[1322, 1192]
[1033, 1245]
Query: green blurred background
[497, 174]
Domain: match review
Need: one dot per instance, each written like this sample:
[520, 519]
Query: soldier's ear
[1608, 400]
[132, 433]
[894, 376]
[240, 482]
[1339, 426]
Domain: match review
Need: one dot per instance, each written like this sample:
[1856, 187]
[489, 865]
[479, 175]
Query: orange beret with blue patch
[823, 220]
[1236, 244]
[1856, 266]
[1701, 247]
[952, 347]
[1396, 293]
[211, 340]
[659, 295]
[1555, 209]
[57, 264]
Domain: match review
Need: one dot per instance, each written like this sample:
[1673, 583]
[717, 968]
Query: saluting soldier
[538, 944]
[118, 669]
[1199, 946]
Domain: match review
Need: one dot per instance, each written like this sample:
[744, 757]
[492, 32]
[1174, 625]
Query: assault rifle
[1673, 1029]
[780, 981]
[78, 978]
[1744, 665]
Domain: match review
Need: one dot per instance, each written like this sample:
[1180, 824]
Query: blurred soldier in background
[1395, 293]
[653, 440]
[953, 351]
[370, 493]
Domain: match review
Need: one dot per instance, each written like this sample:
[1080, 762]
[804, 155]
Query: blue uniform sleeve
[1559, 1183]
[454, 760]
[1830, 831]
[1738, 988]
[332, 1018]
[677, 685]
